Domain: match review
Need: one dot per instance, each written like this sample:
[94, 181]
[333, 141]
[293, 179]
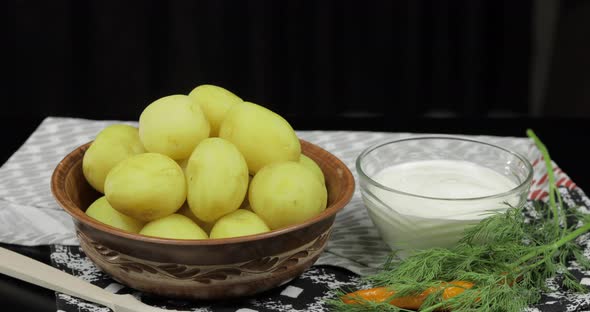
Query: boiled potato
[185, 210]
[286, 193]
[313, 166]
[262, 136]
[238, 223]
[102, 211]
[174, 226]
[215, 103]
[172, 126]
[217, 179]
[146, 186]
[113, 144]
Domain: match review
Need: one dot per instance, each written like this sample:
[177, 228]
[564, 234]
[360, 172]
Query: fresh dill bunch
[504, 260]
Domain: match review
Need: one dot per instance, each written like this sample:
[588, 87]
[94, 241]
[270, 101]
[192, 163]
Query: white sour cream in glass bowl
[423, 192]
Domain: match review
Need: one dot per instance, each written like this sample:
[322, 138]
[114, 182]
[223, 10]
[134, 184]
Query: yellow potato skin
[113, 144]
[173, 126]
[102, 211]
[215, 102]
[174, 226]
[313, 167]
[238, 223]
[286, 193]
[262, 136]
[216, 178]
[185, 210]
[146, 186]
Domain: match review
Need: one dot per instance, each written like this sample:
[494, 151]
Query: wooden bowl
[202, 269]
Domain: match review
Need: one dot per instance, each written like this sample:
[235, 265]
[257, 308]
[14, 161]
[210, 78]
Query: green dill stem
[531, 266]
[571, 236]
[562, 241]
[550, 175]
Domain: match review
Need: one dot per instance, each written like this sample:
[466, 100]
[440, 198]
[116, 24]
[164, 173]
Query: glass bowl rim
[363, 176]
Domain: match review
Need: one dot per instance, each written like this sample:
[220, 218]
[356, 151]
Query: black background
[355, 59]
[345, 59]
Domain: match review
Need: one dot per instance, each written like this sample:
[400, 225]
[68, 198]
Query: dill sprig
[507, 258]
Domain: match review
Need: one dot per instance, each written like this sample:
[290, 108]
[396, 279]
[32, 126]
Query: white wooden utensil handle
[35, 272]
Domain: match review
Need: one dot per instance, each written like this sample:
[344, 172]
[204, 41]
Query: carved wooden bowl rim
[58, 189]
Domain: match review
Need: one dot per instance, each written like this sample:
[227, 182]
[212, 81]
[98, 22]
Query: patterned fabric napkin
[30, 216]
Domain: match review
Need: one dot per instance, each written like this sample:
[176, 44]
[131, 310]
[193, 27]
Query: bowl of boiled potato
[211, 197]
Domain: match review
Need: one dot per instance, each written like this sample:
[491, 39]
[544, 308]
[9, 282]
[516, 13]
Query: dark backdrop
[324, 64]
[340, 59]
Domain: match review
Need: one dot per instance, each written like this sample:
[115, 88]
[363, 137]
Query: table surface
[565, 138]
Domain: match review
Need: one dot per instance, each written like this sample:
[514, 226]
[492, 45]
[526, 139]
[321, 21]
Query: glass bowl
[434, 187]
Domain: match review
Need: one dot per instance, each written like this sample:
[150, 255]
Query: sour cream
[446, 180]
[429, 203]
